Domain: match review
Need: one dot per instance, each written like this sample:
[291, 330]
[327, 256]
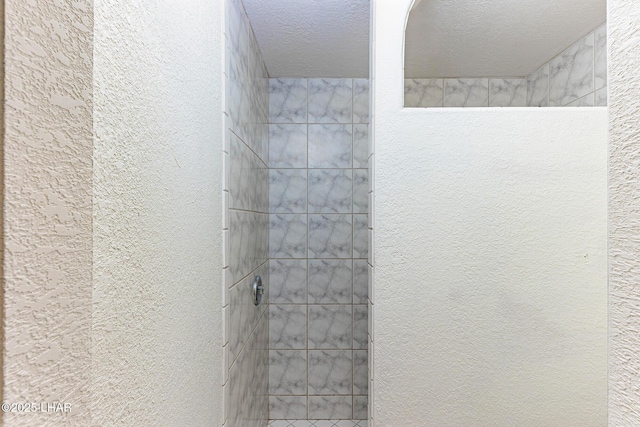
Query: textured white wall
[47, 209]
[624, 219]
[490, 293]
[157, 338]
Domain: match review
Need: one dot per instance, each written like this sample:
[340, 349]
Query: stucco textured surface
[328, 38]
[490, 293]
[624, 212]
[157, 338]
[47, 210]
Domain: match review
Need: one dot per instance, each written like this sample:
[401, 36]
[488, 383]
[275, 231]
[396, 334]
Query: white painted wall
[624, 188]
[47, 209]
[490, 292]
[157, 212]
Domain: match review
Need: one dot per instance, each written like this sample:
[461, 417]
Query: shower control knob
[258, 290]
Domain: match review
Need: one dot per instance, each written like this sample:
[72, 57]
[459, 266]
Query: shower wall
[245, 228]
[318, 155]
[577, 77]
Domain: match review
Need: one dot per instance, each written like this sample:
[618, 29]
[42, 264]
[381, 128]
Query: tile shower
[577, 77]
[318, 249]
[246, 224]
[295, 199]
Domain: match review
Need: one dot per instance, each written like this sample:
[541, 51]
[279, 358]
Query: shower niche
[506, 54]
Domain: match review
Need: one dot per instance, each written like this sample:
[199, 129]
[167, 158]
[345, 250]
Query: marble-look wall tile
[330, 327]
[330, 407]
[287, 146]
[360, 100]
[360, 191]
[330, 236]
[249, 183]
[360, 407]
[288, 407]
[600, 66]
[330, 190]
[360, 281]
[601, 97]
[287, 100]
[360, 372]
[287, 372]
[360, 327]
[330, 100]
[288, 236]
[330, 146]
[243, 314]
[585, 101]
[326, 152]
[423, 92]
[288, 191]
[507, 92]
[246, 217]
[288, 280]
[360, 146]
[360, 238]
[466, 92]
[538, 87]
[330, 281]
[287, 326]
[571, 73]
[330, 372]
[248, 242]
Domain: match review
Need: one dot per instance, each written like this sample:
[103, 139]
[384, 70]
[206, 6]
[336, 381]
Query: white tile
[538, 87]
[466, 92]
[288, 407]
[360, 100]
[288, 279]
[287, 100]
[360, 145]
[332, 407]
[330, 146]
[225, 210]
[287, 327]
[330, 190]
[601, 97]
[330, 373]
[288, 145]
[330, 236]
[571, 73]
[330, 327]
[507, 92]
[585, 101]
[330, 281]
[287, 191]
[287, 372]
[600, 66]
[225, 364]
[423, 92]
[226, 252]
[226, 283]
[330, 101]
[288, 235]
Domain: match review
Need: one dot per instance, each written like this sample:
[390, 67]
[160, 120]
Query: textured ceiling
[445, 38]
[312, 38]
[494, 38]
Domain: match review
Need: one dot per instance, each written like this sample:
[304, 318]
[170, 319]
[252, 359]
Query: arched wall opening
[506, 54]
